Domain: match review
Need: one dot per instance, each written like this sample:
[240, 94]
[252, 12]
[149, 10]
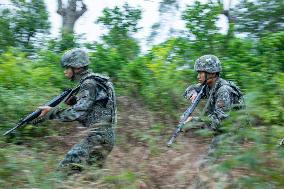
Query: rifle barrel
[52, 103]
[185, 116]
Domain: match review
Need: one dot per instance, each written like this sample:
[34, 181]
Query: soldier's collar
[217, 84]
[214, 84]
[81, 75]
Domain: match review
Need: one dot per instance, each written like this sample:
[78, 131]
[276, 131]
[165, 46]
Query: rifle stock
[185, 116]
[52, 103]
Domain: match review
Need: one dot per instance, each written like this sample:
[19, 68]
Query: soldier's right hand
[71, 101]
[189, 119]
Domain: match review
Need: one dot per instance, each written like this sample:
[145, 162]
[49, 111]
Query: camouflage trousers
[92, 150]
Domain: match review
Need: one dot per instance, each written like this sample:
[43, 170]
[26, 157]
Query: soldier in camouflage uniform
[94, 106]
[222, 95]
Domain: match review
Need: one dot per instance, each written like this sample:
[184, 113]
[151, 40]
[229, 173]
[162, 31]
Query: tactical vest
[238, 97]
[105, 102]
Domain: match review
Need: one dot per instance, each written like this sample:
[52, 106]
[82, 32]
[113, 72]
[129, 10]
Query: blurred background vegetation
[30, 75]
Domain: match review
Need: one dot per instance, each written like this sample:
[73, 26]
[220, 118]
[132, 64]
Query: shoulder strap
[209, 99]
[235, 88]
[107, 86]
[101, 80]
[240, 101]
[98, 77]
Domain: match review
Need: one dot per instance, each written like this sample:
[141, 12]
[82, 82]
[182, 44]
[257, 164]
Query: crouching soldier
[222, 96]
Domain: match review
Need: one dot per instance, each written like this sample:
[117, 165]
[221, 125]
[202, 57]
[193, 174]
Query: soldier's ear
[214, 75]
[77, 70]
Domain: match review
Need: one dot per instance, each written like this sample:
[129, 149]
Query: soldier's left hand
[194, 95]
[44, 110]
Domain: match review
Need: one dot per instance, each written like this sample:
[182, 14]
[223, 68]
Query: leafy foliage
[158, 78]
[6, 34]
[201, 24]
[259, 17]
[121, 23]
[29, 23]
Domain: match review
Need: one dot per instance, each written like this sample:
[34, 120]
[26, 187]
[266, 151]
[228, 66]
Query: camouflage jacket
[93, 104]
[225, 97]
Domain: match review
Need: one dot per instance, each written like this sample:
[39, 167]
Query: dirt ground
[141, 149]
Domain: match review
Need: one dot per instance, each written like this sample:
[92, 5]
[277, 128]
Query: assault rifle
[185, 116]
[52, 103]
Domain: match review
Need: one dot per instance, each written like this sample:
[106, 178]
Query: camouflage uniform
[222, 97]
[94, 108]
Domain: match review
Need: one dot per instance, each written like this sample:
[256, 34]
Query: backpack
[238, 97]
[106, 87]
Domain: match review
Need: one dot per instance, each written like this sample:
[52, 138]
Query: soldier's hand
[71, 101]
[189, 119]
[44, 110]
[193, 96]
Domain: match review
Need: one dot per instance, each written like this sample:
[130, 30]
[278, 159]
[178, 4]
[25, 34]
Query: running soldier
[94, 107]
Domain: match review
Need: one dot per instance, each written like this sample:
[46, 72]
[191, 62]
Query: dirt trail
[168, 167]
[141, 148]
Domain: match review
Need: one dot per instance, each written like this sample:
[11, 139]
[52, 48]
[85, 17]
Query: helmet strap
[207, 78]
[73, 74]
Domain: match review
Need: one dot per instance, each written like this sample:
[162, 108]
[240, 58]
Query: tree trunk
[231, 23]
[70, 15]
[231, 20]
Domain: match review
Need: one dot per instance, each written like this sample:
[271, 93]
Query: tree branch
[227, 12]
[59, 9]
[82, 11]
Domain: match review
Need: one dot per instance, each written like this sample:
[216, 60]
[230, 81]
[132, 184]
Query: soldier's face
[68, 72]
[201, 77]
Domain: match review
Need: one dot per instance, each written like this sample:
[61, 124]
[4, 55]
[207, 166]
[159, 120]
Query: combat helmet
[208, 63]
[75, 58]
